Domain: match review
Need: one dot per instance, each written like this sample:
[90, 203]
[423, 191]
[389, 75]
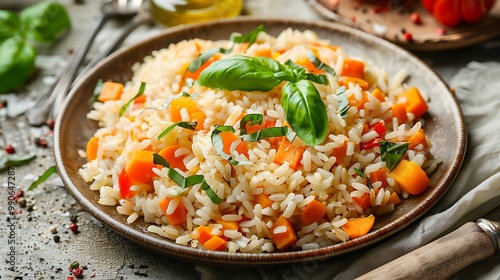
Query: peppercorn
[50, 123]
[57, 238]
[78, 272]
[40, 142]
[73, 227]
[74, 265]
[10, 149]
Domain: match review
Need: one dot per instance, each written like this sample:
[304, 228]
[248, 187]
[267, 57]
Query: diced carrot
[263, 200]
[140, 99]
[313, 212]
[346, 81]
[199, 117]
[340, 152]
[228, 138]
[363, 201]
[254, 128]
[287, 152]
[176, 218]
[92, 146]
[416, 138]
[415, 103]
[353, 68]
[228, 225]
[110, 91]
[215, 243]
[124, 184]
[358, 227]
[410, 177]
[140, 166]
[378, 94]
[286, 238]
[168, 153]
[399, 111]
[178, 104]
[203, 234]
[379, 175]
[394, 198]
[311, 68]
[267, 52]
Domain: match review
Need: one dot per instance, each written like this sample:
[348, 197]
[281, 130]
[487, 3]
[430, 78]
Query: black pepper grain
[57, 238]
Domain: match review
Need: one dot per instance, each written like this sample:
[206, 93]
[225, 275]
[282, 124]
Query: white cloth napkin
[474, 194]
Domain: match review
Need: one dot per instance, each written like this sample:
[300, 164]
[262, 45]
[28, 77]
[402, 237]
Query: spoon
[44, 109]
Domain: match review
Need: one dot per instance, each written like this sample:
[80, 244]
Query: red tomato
[452, 12]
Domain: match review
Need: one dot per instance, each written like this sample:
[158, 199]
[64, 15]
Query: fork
[48, 106]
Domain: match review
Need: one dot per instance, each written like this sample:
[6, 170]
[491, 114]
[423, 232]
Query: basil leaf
[125, 106]
[186, 182]
[186, 125]
[45, 21]
[250, 37]
[251, 119]
[305, 111]
[242, 73]
[51, 170]
[297, 73]
[9, 24]
[363, 175]
[17, 62]
[319, 64]
[97, 90]
[392, 153]
[342, 101]
[204, 57]
[270, 132]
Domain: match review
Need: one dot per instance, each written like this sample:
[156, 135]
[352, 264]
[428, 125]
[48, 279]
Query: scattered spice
[10, 149]
[78, 272]
[57, 238]
[415, 18]
[18, 194]
[53, 229]
[22, 202]
[73, 227]
[40, 142]
[74, 265]
[50, 123]
[408, 36]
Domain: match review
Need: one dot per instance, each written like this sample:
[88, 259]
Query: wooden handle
[439, 259]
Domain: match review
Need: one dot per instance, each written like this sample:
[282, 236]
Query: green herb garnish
[250, 37]
[219, 145]
[392, 152]
[250, 119]
[270, 132]
[319, 64]
[11, 160]
[125, 106]
[304, 109]
[363, 175]
[186, 125]
[51, 170]
[343, 102]
[43, 22]
[186, 182]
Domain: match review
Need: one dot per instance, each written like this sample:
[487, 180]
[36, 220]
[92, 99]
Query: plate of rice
[257, 141]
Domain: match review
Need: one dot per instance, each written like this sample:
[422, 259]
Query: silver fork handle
[43, 109]
[141, 18]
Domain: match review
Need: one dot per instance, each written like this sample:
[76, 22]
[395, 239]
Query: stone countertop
[39, 242]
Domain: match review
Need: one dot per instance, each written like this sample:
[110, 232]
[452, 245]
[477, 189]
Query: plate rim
[163, 245]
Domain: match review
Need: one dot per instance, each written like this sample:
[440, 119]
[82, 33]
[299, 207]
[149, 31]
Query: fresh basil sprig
[363, 175]
[343, 102]
[43, 22]
[11, 160]
[51, 170]
[304, 109]
[186, 182]
[392, 152]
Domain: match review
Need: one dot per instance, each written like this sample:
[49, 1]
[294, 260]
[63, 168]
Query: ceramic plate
[430, 35]
[444, 125]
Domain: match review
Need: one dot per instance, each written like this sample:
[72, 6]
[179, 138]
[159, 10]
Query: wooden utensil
[446, 256]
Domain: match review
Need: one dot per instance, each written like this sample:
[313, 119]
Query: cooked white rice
[320, 175]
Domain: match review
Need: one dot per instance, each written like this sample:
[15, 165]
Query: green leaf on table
[17, 63]
[51, 170]
[9, 24]
[45, 21]
[12, 160]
